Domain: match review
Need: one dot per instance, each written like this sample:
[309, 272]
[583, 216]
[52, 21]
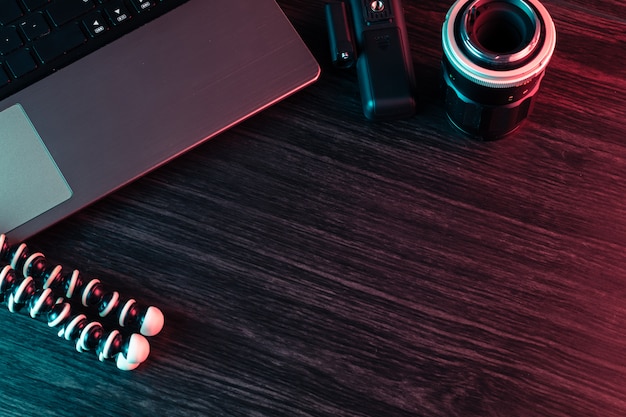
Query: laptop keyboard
[38, 37]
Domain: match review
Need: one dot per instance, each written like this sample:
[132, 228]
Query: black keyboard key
[4, 78]
[9, 11]
[20, 63]
[59, 42]
[9, 39]
[34, 26]
[95, 24]
[117, 12]
[141, 5]
[34, 4]
[67, 10]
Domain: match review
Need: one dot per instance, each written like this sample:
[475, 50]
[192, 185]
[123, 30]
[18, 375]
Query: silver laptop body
[140, 101]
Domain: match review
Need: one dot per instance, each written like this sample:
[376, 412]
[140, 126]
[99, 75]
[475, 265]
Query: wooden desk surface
[311, 263]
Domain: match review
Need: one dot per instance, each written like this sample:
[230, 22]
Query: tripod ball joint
[147, 320]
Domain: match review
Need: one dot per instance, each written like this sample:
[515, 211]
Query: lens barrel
[495, 53]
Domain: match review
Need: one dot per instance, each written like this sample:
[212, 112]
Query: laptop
[96, 93]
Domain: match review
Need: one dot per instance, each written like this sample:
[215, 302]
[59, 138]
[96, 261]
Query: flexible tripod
[69, 302]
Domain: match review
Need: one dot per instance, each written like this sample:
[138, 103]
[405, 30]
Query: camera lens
[495, 53]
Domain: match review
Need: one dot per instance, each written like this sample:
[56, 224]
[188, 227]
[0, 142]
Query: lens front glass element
[499, 33]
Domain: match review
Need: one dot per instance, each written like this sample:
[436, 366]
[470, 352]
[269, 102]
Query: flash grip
[383, 56]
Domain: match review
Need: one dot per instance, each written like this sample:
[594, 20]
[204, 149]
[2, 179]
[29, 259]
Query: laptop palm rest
[30, 181]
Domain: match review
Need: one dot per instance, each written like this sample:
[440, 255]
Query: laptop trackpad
[30, 181]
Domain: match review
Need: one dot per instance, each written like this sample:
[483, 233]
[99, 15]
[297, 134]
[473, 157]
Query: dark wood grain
[311, 263]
